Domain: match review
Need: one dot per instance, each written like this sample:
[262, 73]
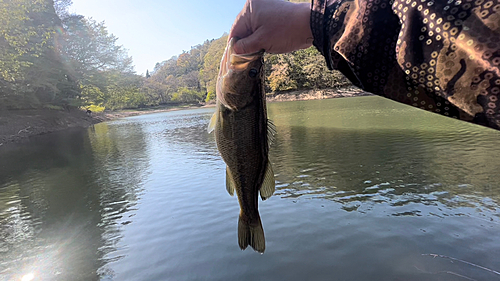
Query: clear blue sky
[155, 30]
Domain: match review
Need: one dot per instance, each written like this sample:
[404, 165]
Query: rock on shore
[318, 94]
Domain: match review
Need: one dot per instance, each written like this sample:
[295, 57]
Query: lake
[367, 189]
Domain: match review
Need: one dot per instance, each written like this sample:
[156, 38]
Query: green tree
[187, 95]
[97, 62]
[177, 79]
[90, 48]
[31, 70]
[124, 90]
[19, 37]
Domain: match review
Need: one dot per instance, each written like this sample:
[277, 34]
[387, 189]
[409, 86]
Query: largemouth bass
[243, 136]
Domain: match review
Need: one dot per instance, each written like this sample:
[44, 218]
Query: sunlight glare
[28, 277]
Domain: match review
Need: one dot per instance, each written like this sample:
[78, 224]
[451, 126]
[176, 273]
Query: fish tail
[251, 234]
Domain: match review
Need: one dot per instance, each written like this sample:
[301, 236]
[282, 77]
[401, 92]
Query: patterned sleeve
[442, 56]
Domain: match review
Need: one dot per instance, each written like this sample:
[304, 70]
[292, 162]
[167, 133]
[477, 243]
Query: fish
[243, 135]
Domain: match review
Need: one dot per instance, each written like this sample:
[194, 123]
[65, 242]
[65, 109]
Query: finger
[241, 27]
[248, 45]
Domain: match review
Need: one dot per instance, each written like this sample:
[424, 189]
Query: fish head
[240, 77]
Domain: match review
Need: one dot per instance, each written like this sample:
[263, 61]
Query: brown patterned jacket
[442, 56]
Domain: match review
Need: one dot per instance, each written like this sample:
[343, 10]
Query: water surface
[366, 189]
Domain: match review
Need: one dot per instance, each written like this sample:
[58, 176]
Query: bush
[187, 95]
[210, 96]
[95, 108]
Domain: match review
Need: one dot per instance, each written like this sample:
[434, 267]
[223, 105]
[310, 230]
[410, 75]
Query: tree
[61, 8]
[31, 71]
[96, 60]
[124, 90]
[302, 69]
[177, 79]
[211, 63]
[280, 77]
[19, 39]
[50, 56]
[317, 75]
[91, 48]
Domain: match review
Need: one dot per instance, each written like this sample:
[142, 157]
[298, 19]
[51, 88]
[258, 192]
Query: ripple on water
[361, 195]
[450, 168]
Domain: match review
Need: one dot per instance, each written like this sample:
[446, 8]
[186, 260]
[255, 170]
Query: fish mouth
[231, 65]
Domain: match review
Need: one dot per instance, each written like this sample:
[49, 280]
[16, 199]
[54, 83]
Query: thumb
[247, 45]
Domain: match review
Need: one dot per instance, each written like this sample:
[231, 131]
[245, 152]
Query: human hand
[272, 25]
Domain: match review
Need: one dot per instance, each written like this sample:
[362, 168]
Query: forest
[51, 58]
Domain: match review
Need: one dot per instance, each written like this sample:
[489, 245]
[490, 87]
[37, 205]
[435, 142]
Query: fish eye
[253, 73]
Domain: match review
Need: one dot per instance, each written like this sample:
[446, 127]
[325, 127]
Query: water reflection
[61, 205]
[178, 129]
[363, 191]
[180, 136]
[332, 156]
[121, 167]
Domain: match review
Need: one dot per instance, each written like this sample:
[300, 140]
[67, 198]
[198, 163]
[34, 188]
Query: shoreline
[20, 125]
[344, 92]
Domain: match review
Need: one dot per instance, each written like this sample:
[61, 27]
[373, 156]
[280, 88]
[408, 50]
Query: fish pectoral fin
[229, 182]
[271, 132]
[268, 186]
[213, 121]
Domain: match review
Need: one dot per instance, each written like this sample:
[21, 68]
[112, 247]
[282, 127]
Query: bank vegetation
[52, 59]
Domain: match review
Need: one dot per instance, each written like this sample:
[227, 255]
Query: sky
[155, 30]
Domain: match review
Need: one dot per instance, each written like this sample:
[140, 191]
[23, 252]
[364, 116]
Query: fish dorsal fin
[213, 121]
[267, 188]
[229, 182]
[271, 132]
